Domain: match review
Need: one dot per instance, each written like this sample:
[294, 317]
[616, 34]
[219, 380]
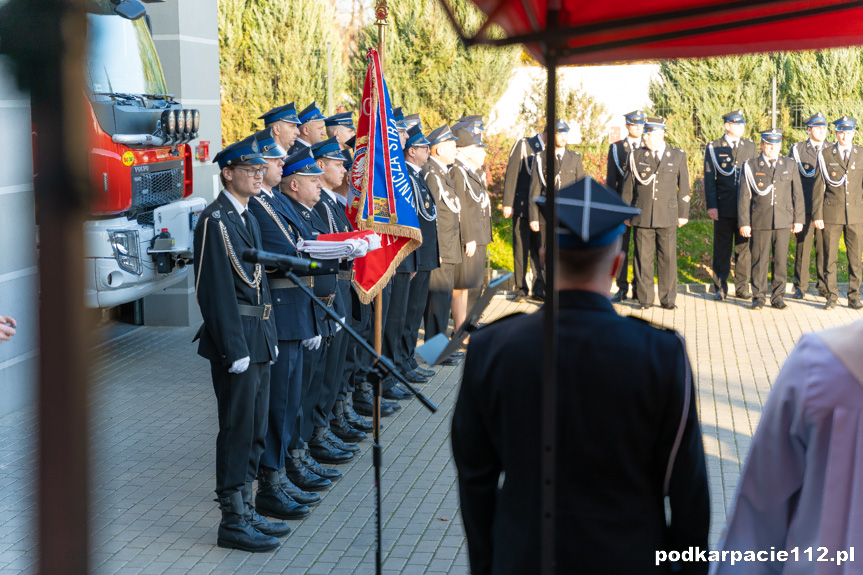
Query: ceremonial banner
[382, 199]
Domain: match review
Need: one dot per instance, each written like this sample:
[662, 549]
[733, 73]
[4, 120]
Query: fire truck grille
[146, 218]
[154, 189]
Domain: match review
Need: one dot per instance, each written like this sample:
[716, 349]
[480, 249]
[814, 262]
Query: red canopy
[593, 32]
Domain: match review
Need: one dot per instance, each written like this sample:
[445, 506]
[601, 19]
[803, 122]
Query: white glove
[312, 343]
[339, 326]
[240, 365]
[277, 356]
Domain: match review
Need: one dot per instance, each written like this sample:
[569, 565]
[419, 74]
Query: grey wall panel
[18, 356]
[18, 384]
[15, 142]
[17, 232]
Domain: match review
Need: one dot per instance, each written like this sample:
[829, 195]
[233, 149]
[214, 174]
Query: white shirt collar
[239, 207]
[633, 142]
[331, 194]
[412, 165]
[303, 142]
[541, 143]
[769, 160]
[660, 151]
[844, 149]
[731, 141]
[269, 193]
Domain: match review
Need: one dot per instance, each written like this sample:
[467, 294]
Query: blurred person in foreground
[628, 437]
[800, 487]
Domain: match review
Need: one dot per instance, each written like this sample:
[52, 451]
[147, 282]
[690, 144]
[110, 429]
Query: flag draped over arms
[381, 199]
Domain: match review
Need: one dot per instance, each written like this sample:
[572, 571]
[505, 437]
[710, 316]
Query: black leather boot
[315, 468]
[354, 419]
[349, 447]
[325, 450]
[364, 399]
[341, 428]
[236, 533]
[258, 522]
[296, 471]
[274, 501]
[297, 494]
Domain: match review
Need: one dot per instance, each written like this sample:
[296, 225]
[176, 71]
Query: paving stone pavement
[154, 428]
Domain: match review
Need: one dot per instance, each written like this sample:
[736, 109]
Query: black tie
[845, 156]
[245, 219]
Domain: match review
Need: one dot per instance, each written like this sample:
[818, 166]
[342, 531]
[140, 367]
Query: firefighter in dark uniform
[294, 318]
[657, 183]
[301, 185]
[770, 207]
[516, 195]
[618, 163]
[428, 254]
[397, 322]
[837, 209]
[239, 338]
[330, 160]
[643, 444]
[312, 128]
[569, 170]
[436, 174]
[341, 127]
[474, 218]
[723, 162]
[806, 156]
[284, 123]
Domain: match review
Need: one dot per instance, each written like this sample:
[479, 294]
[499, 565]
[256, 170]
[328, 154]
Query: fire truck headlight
[181, 121]
[169, 123]
[189, 120]
[127, 251]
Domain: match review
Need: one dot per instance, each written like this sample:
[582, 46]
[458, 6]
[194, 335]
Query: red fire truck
[139, 238]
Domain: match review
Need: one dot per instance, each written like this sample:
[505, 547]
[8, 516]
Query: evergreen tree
[427, 69]
[273, 53]
[575, 106]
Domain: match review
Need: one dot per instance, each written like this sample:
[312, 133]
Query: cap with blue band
[328, 149]
[651, 124]
[816, 119]
[440, 135]
[345, 119]
[301, 163]
[772, 136]
[268, 147]
[286, 113]
[242, 153]
[845, 124]
[310, 113]
[635, 118]
[734, 117]
[416, 137]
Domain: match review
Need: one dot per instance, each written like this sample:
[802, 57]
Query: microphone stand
[380, 370]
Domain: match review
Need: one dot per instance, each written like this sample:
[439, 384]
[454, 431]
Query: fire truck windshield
[121, 58]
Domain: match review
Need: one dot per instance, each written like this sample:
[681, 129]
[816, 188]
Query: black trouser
[361, 322]
[726, 234]
[243, 400]
[439, 302]
[525, 244]
[760, 244]
[623, 274]
[395, 323]
[286, 384]
[853, 246]
[309, 395]
[803, 255]
[417, 298]
[333, 372]
[649, 241]
[539, 282]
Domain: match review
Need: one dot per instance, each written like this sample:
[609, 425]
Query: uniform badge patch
[307, 215]
[216, 215]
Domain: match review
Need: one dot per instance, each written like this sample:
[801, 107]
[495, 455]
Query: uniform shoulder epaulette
[653, 325]
[503, 319]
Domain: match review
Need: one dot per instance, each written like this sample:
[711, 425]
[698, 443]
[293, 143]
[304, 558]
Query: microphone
[284, 263]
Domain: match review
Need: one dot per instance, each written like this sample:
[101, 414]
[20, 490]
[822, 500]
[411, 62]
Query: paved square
[153, 444]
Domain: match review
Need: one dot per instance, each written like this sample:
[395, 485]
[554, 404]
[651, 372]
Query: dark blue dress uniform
[837, 200]
[615, 455]
[436, 315]
[294, 318]
[770, 202]
[616, 166]
[659, 187]
[427, 255]
[516, 195]
[236, 305]
[723, 162]
[806, 156]
[308, 114]
[475, 215]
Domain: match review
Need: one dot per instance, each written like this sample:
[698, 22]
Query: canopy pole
[51, 70]
[549, 375]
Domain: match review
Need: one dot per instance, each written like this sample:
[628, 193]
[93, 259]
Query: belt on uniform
[259, 311]
[328, 300]
[346, 275]
[285, 283]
